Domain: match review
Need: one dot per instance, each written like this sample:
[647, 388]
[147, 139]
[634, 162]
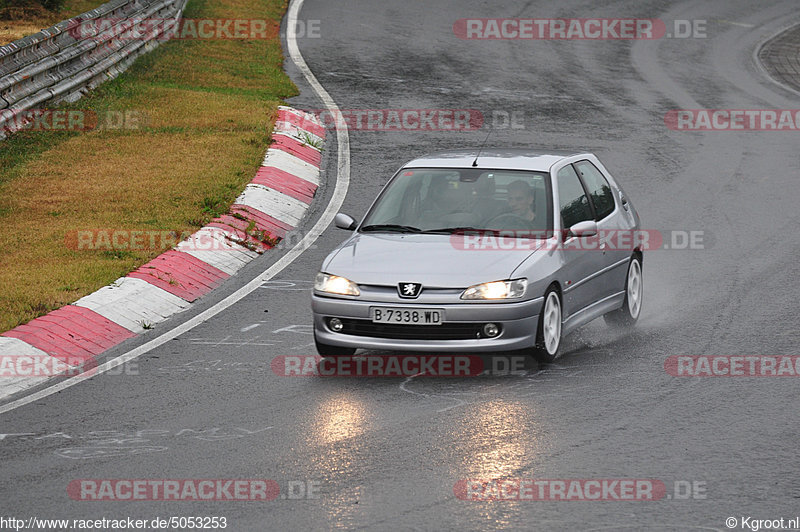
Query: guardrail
[63, 62]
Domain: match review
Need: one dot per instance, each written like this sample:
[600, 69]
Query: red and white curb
[273, 203]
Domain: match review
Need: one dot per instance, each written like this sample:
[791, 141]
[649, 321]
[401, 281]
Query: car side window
[573, 203]
[598, 187]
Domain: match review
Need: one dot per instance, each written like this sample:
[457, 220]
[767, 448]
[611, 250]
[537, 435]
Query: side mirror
[583, 229]
[344, 221]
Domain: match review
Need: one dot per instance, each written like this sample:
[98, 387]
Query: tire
[548, 336]
[333, 351]
[631, 309]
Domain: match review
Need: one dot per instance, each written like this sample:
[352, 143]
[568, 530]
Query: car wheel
[333, 351]
[548, 338]
[632, 303]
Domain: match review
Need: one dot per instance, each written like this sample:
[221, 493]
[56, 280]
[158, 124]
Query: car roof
[495, 158]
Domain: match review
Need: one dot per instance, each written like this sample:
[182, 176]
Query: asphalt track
[386, 453]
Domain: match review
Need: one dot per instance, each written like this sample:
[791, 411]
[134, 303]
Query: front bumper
[518, 322]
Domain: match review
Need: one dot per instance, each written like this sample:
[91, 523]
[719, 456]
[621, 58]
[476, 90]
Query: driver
[443, 196]
[520, 199]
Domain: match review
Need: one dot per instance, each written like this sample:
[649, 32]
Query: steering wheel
[509, 221]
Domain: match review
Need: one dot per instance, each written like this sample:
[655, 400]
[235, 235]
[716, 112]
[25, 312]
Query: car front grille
[445, 331]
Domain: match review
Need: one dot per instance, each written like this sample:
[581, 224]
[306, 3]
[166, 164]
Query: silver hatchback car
[482, 251]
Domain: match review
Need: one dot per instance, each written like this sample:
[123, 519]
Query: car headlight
[333, 284]
[496, 290]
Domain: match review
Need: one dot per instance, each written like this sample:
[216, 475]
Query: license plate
[407, 316]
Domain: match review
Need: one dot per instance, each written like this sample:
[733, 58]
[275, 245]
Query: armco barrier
[63, 62]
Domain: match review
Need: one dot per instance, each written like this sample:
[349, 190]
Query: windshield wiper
[392, 227]
[537, 234]
[450, 230]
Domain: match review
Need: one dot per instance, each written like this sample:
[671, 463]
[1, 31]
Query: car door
[612, 255]
[580, 260]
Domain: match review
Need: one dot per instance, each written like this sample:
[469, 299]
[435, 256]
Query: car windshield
[445, 200]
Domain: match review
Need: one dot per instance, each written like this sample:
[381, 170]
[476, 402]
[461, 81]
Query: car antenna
[475, 162]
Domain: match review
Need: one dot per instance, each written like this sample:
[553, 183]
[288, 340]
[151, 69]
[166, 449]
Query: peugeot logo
[409, 290]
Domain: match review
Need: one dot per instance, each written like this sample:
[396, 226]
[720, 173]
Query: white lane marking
[762, 68]
[296, 328]
[337, 198]
[249, 327]
[304, 346]
[289, 285]
[742, 24]
[223, 341]
[251, 341]
[239, 343]
[459, 402]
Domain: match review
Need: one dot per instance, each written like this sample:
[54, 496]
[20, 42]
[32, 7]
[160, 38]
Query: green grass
[19, 18]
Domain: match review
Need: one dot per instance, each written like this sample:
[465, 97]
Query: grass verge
[204, 111]
[25, 18]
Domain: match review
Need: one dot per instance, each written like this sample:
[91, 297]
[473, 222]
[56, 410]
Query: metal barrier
[65, 61]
